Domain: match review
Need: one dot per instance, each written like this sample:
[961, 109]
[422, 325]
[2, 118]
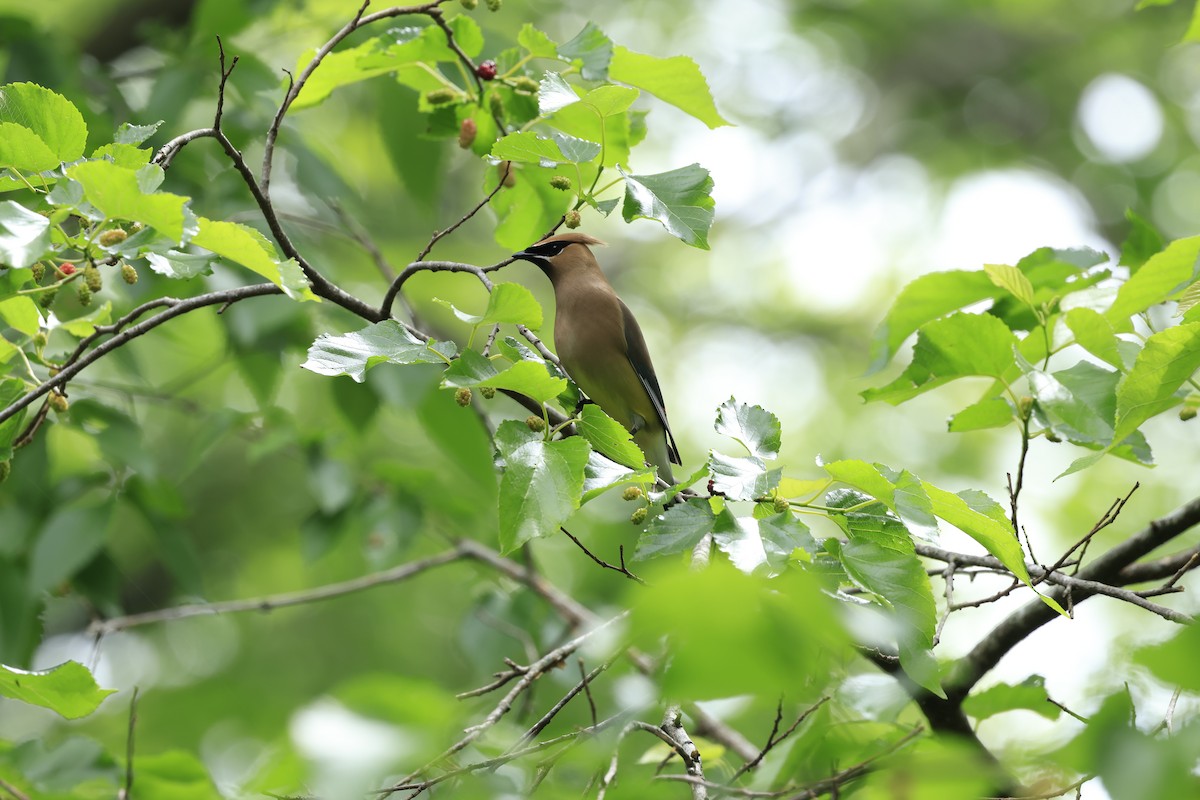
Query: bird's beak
[533, 258]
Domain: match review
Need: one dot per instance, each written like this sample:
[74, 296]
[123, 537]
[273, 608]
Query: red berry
[66, 268]
[486, 71]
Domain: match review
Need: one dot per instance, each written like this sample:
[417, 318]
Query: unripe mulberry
[631, 493]
[113, 236]
[440, 97]
[535, 423]
[494, 5]
[561, 182]
[469, 5]
[46, 299]
[39, 271]
[91, 277]
[781, 504]
[496, 104]
[129, 274]
[572, 219]
[639, 515]
[462, 396]
[1187, 412]
[85, 295]
[59, 402]
[466, 133]
[524, 83]
[488, 392]
[1025, 406]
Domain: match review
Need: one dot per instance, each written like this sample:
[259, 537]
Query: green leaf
[741, 478]
[383, 342]
[680, 199]
[592, 49]
[117, 192]
[677, 530]
[554, 94]
[898, 579]
[1029, 694]
[1012, 280]
[49, 115]
[24, 235]
[11, 390]
[467, 34]
[526, 210]
[576, 151]
[730, 633]
[755, 428]
[79, 327]
[21, 313]
[1168, 359]
[541, 485]
[1094, 333]
[1174, 661]
[128, 133]
[958, 346]
[610, 100]
[1189, 299]
[609, 437]
[246, 246]
[985, 526]
[1142, 242]
[994, 412]
[23, 150]
[537, 43]
[753, 544]
[1162, 275]
[924, 300]
[602, 474]
[901, 492]
[676, 80]
[68, 689]
[507, 303]
[1069, 415]
[174, 775]
[529, 148]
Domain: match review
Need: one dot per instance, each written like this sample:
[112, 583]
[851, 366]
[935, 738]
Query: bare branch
[16, 793]
[621, 569]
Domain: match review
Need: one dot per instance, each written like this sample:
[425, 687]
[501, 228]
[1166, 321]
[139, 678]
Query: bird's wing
[639, 358]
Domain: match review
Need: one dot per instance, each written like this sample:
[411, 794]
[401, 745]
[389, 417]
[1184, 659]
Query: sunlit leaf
[24, 235]
[680, 199]
[755, 428]
[51, 117]
[118, 193]
[68, 689]
[676, 80]
[609, 437]
[592, 49]
[386, 342]
[541, 485]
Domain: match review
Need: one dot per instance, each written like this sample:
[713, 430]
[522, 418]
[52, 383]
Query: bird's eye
[547, 250]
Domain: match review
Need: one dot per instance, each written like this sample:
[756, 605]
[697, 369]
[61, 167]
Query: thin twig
[12, 790]
[772, 740]
[439, 235]
[126, 791]
[621, 569]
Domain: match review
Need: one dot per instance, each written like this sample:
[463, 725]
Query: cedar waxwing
[601, 346]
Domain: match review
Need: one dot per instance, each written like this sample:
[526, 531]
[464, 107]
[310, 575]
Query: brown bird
[601, 346]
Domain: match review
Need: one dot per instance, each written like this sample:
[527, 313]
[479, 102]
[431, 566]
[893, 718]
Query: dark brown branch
[1107, 569]
[621, 569]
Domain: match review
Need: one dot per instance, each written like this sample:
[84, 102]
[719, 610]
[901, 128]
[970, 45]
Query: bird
[601, 345]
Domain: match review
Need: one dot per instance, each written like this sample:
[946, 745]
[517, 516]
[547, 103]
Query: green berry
[91, 277]
[39, 340]
[487, 391]
[1187, 412]
[524, 83]
[496, 104]
[781, 504]
[561, 182]
[129, 274]
[85, 295]
[1053, 437]
[462, 396]
[59, 402]
[572, 219]
[5, 470]
[440, 97]
[631, 493]
[494, 5]
[46, 299]
[469, 5]
[638, 516]
[1025, 406]
[39, 271]
[112, 237]
[535, 423]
